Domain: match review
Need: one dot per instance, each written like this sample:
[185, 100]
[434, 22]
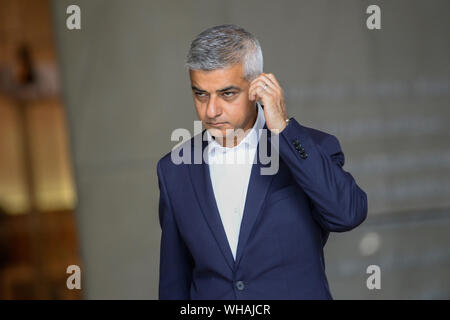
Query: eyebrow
[220, 90]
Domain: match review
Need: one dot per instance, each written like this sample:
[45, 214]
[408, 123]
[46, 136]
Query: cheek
[240, 108]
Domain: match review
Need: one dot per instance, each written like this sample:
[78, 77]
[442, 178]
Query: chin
[217, 132]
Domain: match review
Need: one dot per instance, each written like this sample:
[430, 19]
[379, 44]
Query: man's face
[221, 100]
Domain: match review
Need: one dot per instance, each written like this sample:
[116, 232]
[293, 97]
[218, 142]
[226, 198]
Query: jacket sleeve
[175, 270]
[339, 203]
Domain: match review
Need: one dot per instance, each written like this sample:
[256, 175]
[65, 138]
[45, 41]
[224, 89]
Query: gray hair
[223, 46]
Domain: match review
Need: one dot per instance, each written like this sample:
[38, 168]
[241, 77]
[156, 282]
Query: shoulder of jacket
[325, 140]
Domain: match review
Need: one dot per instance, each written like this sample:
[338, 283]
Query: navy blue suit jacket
[286, 222]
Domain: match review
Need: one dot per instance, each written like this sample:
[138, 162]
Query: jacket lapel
[256, 194]
[201, 182]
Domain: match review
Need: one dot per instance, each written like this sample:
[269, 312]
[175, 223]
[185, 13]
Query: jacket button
[240, 285]
[304, 155]
[295, 142]
[299, 148]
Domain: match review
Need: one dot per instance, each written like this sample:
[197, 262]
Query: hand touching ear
[265, 88]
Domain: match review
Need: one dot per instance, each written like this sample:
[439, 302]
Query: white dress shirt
[230, 170]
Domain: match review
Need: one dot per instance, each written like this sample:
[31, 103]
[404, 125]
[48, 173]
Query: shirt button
[240, 285]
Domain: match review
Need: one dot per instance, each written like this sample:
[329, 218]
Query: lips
[217, 124]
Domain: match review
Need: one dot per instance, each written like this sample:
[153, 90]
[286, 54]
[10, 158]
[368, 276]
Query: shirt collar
[251, 139]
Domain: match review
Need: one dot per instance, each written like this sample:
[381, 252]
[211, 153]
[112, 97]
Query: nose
[212, 109]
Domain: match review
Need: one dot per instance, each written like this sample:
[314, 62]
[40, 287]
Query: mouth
[217, 124]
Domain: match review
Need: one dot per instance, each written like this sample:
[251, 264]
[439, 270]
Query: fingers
[260, 89]
[263, 84]
[265, 80]
[269, 80]
[274, 80]
[268, 86]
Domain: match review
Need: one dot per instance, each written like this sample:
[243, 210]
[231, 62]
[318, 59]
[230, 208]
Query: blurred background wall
[38, 237]
[384, 93]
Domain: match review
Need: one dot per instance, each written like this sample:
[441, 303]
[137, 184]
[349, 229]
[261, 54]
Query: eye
[228, 94]
[200, 94]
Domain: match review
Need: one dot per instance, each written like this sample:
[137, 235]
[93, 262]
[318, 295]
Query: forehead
[217, 79]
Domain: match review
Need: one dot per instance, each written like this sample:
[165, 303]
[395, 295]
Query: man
[229, 231]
